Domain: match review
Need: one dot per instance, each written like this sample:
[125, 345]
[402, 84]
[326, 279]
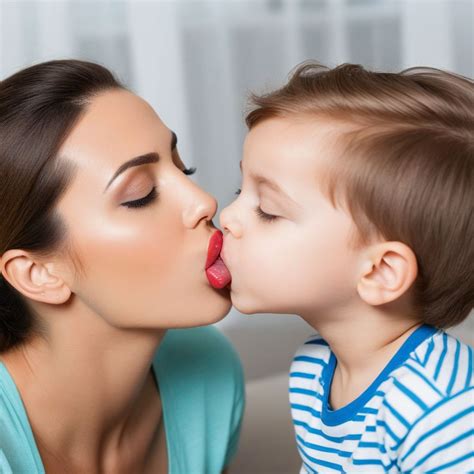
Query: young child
[356, 213]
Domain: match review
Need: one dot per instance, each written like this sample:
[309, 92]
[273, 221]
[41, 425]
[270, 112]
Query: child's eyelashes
[264, 216]
[144, 201]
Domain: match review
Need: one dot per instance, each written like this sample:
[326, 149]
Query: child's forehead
[289, 146]
[295, 154]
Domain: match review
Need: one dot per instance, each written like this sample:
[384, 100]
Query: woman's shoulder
[17, 447]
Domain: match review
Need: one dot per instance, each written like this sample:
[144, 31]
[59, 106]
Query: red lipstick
[216, 271]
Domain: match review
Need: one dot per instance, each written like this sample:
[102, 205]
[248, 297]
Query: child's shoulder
[440, 364]
[310, 358]
[434, 382]
[428, 400]
[314, 345]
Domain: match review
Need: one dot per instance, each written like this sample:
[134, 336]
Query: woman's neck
[85, 385]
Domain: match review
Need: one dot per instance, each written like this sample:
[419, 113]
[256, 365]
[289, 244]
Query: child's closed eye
[264, 216]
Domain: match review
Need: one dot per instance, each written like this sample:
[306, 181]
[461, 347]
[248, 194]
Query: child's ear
[388, 271]
[33, 279]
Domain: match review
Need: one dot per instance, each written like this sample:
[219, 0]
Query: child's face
[300, 261]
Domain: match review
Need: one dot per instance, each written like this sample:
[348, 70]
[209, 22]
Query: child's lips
[217, 273]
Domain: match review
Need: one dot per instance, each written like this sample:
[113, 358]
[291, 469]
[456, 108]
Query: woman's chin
[218, 309]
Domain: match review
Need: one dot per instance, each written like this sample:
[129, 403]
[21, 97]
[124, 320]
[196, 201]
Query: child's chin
[242, 305]
[250, 305]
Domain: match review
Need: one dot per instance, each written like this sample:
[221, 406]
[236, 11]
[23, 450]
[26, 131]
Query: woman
[104, 245]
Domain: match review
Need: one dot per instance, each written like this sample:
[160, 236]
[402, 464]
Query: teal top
[202, 393]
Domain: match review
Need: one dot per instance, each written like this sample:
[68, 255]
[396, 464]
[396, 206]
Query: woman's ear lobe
[388, 272]
[33, 279]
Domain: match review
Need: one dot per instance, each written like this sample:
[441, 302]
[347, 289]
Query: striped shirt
[417, 415]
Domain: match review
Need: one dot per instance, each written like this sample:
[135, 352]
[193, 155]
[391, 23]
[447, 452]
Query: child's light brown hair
[407, 168]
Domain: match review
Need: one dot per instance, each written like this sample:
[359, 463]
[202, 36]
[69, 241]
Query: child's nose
[230, 222]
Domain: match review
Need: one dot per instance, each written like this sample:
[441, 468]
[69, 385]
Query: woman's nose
[230, 222]
[201, 206]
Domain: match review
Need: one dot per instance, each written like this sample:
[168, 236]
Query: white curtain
[196, 61]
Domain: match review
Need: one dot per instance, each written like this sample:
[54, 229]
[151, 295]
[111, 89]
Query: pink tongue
[219, 274]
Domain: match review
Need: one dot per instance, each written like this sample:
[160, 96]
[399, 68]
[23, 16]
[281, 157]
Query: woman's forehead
[115, 126]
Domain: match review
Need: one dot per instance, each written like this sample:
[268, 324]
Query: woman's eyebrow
[151, 157]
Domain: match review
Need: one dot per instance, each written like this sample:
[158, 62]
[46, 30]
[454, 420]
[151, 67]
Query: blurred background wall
[196, 62]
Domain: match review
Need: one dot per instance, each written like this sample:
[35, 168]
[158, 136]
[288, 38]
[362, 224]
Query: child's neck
[363, 341]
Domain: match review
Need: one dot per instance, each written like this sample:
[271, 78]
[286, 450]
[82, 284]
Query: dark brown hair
[406, 170]
[39, 106]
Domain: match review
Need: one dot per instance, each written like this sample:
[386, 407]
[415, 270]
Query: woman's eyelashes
[144, 201]
[238, 191]
[153, 194]
[189, 171]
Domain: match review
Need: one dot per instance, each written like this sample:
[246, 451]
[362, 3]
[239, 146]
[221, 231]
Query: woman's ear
[33, 278]
[388, 271]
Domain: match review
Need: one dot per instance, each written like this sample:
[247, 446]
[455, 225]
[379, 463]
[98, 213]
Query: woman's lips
[216, 271]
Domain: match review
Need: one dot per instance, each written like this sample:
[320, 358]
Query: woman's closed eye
[153, 194]
[144, 201]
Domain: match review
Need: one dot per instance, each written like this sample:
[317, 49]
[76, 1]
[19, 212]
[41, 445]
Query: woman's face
[140, 230]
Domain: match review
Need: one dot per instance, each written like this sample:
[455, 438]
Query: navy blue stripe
[469, 369]
[373, 462]
[334, 439]
[370, 444]
[455, 369]
[444, 446]
[297, 406]
[424, 378]
[389, 431]
[336, 467]
[302, 375]
[324, 449]
[410, 394]
[312, 360]
[452, 463]
[428, 352]
[438, 428]
[439, 404]
[397, 415]
[442, 356]
[319, 342]
[304, 391]
[417, 358]
[309, 468]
